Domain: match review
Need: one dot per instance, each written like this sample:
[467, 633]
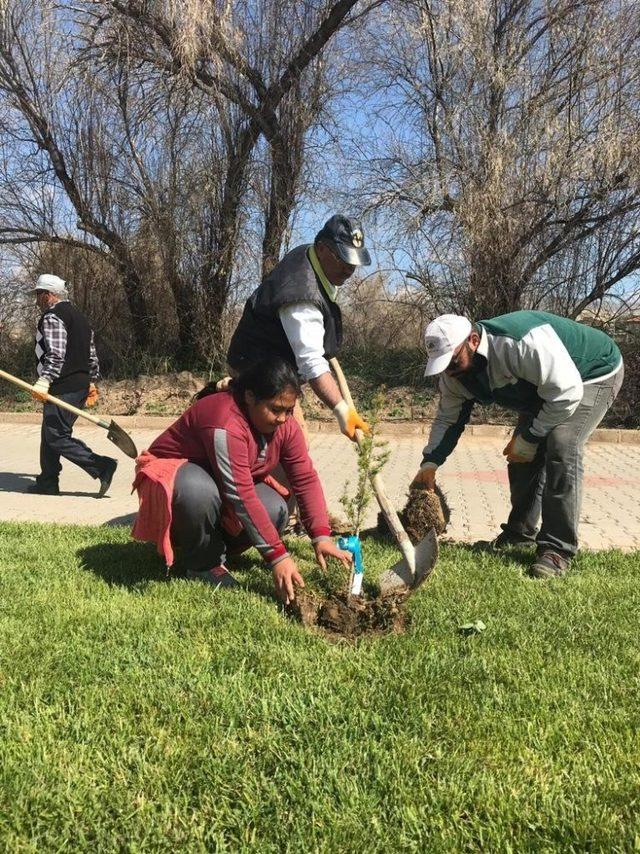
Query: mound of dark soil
[423, 510]
[350, 617]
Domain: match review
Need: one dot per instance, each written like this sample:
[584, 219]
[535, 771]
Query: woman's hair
[267, 378]
[264, 379]
[205, 391]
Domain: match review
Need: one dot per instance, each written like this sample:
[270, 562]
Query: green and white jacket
[529, 361]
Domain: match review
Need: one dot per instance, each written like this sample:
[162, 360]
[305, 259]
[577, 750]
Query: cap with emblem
[346, 238]
[52, 284]
[441, 337]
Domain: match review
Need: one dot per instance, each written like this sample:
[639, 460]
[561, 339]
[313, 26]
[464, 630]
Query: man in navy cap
[294, 313]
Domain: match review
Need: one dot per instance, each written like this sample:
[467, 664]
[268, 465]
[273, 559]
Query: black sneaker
[219, 576]
[43, 489]
[549, 564]
[107, 476]
[508, 539]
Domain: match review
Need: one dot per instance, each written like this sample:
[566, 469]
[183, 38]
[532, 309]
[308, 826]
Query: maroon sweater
[216, 434]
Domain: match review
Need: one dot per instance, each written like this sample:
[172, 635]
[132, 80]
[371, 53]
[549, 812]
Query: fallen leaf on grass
[472, 628]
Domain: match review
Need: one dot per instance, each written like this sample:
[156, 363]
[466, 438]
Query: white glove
[519, 450]
[40, 387]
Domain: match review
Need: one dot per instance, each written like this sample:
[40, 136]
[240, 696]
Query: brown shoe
[549, 564]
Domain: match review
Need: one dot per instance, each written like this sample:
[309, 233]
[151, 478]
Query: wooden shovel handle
[61, 403]
[395, 525]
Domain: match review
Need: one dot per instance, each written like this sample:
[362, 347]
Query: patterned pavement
[474, 480]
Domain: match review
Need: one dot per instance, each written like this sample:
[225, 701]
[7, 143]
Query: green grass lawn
[141, 715]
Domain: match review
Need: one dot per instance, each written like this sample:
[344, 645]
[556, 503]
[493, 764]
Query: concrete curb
[387, 429]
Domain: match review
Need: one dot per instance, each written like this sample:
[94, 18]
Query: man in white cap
[67, 367]
[562, 377]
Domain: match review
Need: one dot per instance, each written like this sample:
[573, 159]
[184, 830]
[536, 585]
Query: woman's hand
[285, 575]
[327, 548]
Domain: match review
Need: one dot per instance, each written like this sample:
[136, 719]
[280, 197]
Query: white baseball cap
[53, 284]
[441, 337]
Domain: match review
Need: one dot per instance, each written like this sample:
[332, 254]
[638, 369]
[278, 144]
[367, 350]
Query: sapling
[373, 455]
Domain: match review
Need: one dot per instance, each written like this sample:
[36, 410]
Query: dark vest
[260, 334]
[74, 375]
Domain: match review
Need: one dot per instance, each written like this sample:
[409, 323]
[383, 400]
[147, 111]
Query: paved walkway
[474, 479]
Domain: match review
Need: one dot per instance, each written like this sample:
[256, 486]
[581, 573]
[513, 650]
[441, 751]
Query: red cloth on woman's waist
[154, 482]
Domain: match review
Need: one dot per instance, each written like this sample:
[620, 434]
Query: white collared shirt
[303, 325]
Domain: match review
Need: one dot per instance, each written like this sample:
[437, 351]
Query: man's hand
[327, 548]
[224, 383]
[40, 388]
[425, 479]
[349, 420]
[92, 397]
[519, 450]
[285, 575]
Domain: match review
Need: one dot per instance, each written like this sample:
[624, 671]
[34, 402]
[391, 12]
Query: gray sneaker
[219, 576]
[549, 564]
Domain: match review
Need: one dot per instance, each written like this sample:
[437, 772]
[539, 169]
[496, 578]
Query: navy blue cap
[346, 237]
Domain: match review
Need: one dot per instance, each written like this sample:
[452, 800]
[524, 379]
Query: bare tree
[58, 181]
[507, 161]
[261, 66]
[152, 133]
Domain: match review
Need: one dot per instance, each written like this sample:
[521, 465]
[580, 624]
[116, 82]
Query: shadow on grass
[123, 564]
[254, 576]
[522, 555]
[135, 565]
[128, 519]
[377, 536]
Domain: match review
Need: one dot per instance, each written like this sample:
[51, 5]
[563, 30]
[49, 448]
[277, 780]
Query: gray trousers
[196, 532]
[551, 485]
[56, 441]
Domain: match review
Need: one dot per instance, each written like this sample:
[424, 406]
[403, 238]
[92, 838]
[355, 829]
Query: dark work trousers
[196, 533]
[56, 441]
[551, 485]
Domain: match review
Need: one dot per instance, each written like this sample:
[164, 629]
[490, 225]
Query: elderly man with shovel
[68, 368]
[562, 377]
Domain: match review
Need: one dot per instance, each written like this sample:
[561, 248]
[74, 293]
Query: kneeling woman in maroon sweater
[215, 464]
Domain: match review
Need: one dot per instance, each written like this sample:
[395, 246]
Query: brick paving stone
[474, 479]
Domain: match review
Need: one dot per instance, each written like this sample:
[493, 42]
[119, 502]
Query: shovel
[115, 433]
[417, 561]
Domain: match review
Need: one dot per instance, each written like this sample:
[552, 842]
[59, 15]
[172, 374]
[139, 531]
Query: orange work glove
[519, 450]
[349, 420]
[92, 397]
[42, 385]
[426, 478]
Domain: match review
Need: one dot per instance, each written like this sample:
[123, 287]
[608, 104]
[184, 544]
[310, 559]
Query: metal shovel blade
[122, 440]
[399, 577]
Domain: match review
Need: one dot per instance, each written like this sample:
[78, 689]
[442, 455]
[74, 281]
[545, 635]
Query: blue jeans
[551, 485]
